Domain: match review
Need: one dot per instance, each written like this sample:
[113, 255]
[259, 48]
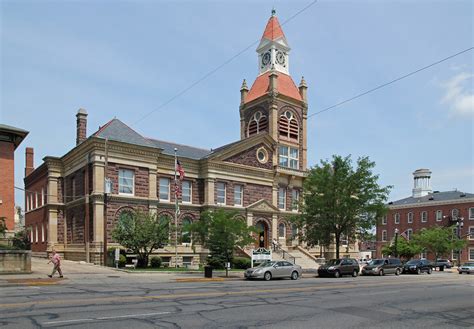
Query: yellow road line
[213, 294]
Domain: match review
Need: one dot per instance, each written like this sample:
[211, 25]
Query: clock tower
[273, 49]
[274, 104]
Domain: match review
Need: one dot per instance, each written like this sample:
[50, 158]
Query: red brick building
[10, 138]
[427, 208]
[260, 176]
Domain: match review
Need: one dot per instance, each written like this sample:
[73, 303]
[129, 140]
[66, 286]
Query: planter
[15, 261]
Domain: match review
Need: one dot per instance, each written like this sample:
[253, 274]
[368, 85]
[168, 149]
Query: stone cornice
[235, 169]
[432, 203]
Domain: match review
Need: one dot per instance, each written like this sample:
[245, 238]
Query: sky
[172, 70]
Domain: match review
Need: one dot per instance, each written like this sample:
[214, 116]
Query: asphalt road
[440, 300]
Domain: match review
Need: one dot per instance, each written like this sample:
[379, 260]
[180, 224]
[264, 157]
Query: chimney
[29, 166]
[244, 90]
[303, 88]
[81, 126]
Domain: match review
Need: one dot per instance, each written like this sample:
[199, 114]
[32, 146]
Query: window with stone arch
[288, 126]
[257, 124]
[281, 230]
[185, 234]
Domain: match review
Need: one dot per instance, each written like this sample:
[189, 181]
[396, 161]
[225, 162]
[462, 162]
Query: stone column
[209, 191]
[275, 226]
[52, 213]
[250, 219]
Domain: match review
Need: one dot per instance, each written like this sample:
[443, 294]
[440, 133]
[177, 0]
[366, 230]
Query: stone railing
[15, 261]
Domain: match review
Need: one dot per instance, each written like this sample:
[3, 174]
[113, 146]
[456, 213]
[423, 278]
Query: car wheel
[460, 272]
[267, 276]
[294, 275]
[355, 273]
[397, 271]
[418, 270]
[381, 273]
[337, 274]
[430, 270]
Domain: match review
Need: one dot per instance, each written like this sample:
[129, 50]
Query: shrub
[241, 263]
[21, 240]
[122, 261]
[215, 262]
[155, 262]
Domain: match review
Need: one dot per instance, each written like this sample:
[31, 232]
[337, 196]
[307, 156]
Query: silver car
[466, 268]
[274, 269]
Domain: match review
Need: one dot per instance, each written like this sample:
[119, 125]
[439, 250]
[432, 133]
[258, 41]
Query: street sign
[261, 254]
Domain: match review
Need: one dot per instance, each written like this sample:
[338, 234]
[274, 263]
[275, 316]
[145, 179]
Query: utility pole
[176, 210]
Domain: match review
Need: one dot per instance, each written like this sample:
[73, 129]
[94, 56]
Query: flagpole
[175, 212]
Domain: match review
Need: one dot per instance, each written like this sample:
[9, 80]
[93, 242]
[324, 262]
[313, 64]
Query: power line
[217, 68]
[390, 82]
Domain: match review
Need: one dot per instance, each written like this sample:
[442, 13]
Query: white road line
[108, 317]
[131, 315]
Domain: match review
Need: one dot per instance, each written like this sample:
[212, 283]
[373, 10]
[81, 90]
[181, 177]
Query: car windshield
[442, 260]
[333, 262]
[413, 262]
[266, 263]
[376, 262]
[468, 264]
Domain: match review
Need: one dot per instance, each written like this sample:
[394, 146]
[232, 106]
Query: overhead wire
[217, 68]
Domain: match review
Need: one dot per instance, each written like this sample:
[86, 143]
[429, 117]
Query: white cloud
[459, 94]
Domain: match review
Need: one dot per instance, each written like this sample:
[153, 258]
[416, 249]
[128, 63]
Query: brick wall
[7, 181]
[141, 178]
[249, 158]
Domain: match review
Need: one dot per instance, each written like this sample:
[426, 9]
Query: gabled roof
[273, 29]
[230, 149]
[118, 131]
[434, 197]
[184, 151]
[285, 86]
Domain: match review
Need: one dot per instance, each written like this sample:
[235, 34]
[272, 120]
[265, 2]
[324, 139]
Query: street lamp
[459, 226]
[396, 242]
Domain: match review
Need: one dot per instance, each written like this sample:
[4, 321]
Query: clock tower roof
[273, 29]
[261, 87]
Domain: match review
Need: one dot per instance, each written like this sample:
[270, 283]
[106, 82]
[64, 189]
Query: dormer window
[288, 126]
[257, 124]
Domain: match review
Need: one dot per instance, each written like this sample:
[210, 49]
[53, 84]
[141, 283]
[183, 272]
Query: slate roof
[273, 29]
[118, 131]
[433, 197]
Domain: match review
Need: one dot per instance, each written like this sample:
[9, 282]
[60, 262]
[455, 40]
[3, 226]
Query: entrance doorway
[262, 235]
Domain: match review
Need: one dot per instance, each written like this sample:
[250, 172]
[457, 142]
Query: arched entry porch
[263, 234]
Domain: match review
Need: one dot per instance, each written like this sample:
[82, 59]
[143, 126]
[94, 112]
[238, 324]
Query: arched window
[288, 126]
[258, 123]
[281, 230]
[185, 234]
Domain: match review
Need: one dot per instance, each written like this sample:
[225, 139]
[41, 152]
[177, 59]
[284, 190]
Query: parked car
[339, 267]
[444, 263]
[274, 269]
[466, 268]
[418, 266]
[383, 266]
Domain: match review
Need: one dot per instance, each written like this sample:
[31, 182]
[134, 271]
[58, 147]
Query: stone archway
[263, 234]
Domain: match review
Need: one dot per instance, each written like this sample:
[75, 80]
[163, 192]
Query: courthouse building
[260, 176]
[427, 208]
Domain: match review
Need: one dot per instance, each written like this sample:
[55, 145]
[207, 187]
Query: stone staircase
[296, 256]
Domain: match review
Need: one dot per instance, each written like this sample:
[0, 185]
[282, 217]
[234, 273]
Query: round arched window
[262, 155]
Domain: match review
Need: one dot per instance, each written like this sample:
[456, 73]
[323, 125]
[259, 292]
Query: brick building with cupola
[260, 176]
[427, 208]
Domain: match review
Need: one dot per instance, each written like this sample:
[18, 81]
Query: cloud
[459, 94]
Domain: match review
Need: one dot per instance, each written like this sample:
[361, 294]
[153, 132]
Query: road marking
[106, 318]
[270, 290]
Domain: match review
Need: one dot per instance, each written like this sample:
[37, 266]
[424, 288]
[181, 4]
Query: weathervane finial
[273, 12]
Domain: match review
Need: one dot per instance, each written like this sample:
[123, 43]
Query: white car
[466, 268]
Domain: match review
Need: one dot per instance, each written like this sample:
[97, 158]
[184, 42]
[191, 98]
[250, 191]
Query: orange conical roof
[273, 29]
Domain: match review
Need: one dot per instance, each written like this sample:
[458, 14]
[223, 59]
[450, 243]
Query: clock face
[266, 58]
[280, 57]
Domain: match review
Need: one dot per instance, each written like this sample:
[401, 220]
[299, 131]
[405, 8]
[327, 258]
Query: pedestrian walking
[56, 260]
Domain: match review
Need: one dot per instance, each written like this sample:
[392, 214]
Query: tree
[405, 249]
[3, 226]
[21, 239]
[142, 232]
[340, 201]
[221, 232]
[438, 240]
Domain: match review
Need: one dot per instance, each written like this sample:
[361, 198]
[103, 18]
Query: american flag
[404, 234]
[180, 170]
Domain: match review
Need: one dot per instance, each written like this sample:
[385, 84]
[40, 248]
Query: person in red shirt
[56, 260]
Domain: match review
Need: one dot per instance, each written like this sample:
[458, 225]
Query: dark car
[383, 266]
[339, 267]
[418, 266]
[443, 263]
